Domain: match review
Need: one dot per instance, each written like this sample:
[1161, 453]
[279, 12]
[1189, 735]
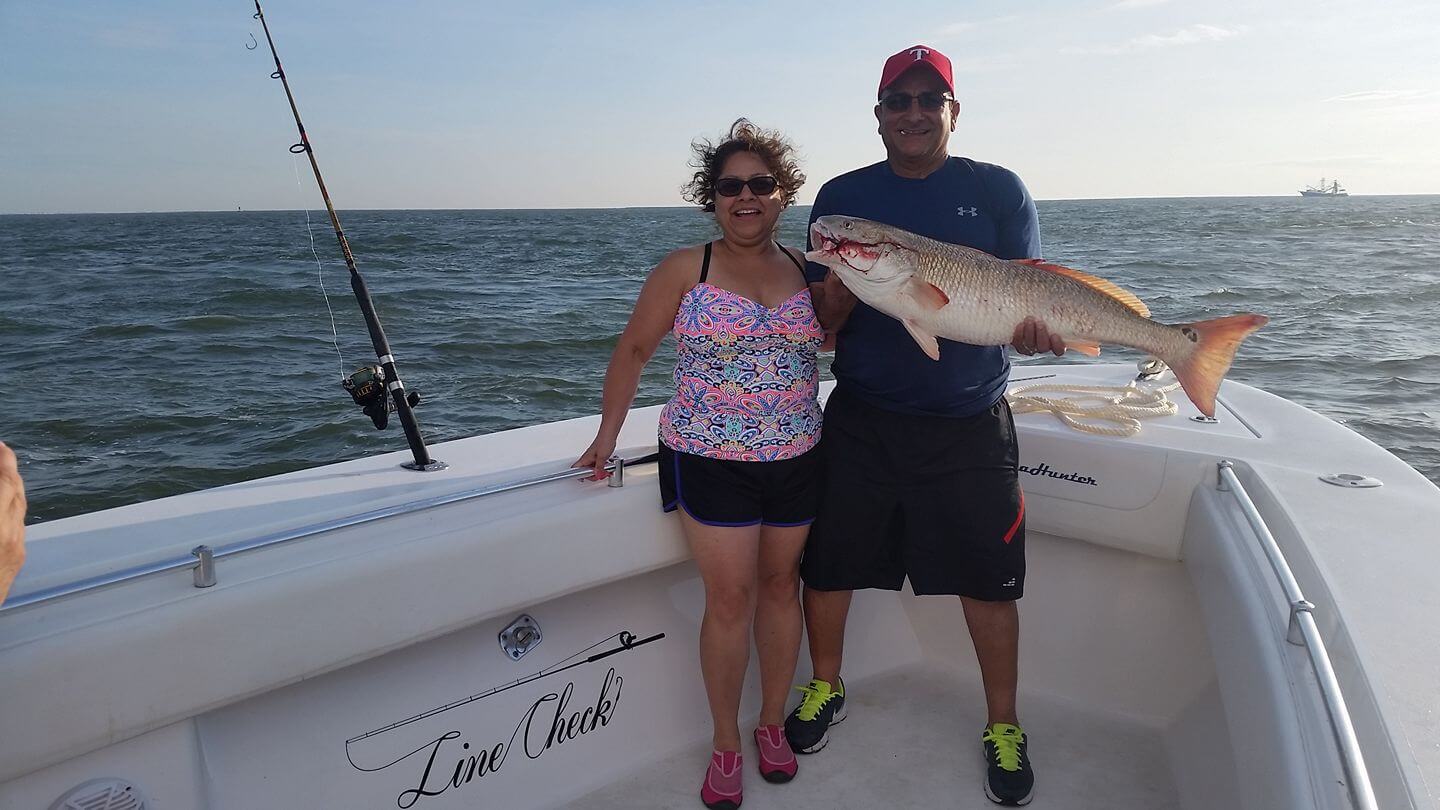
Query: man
[12, 520]
[920, 456]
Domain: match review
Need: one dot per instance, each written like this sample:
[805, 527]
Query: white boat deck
[911, 739]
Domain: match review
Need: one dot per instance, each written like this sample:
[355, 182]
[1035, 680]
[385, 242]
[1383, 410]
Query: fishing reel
[367, 387]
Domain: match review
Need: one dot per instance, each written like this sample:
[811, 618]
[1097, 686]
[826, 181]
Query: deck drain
[103, 794]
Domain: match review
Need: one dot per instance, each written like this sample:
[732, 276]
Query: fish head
[871, 258]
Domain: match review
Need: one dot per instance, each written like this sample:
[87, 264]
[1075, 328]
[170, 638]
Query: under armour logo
[920, 53]
[972, 211]
[1008, 584]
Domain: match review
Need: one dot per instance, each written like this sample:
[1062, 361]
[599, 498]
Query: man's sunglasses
[929, 100]
[730, 186]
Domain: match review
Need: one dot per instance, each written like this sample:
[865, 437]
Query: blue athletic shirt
[964, 202]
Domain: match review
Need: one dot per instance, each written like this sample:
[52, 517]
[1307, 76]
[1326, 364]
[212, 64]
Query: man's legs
[825, 614]
[823, 701]
[995, 632]
[851, 545]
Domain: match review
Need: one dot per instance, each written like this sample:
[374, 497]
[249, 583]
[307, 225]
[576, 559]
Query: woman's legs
[727, 558]
[778, 620]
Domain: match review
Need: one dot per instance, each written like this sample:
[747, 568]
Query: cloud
[1000, 63]
[1192, 35]
[1344, 161]
[955, 29]
[1125, 5]
[1378, 95]
[958, 29]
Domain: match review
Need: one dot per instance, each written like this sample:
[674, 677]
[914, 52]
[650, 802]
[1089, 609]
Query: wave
[110, 331]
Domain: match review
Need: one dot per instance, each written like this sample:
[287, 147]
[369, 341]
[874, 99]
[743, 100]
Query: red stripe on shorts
[1014, 527]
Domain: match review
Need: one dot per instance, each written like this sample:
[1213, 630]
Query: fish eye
[849, 226]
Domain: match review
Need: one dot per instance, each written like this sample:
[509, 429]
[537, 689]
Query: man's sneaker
[723, 786]
[777, 760]
[1008, 778]
[808, 726]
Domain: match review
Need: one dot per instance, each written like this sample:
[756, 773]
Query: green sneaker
[807, 728]
[1008, 778]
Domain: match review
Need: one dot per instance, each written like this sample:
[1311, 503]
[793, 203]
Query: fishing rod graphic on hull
[377, 389]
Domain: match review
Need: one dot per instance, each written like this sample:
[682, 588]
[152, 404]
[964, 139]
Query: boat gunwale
[199, 556]
[1304, 632]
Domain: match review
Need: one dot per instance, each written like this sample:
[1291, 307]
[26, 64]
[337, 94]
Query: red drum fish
[940, 290]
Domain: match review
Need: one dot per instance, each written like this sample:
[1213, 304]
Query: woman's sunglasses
[929, 100]
[730, 186]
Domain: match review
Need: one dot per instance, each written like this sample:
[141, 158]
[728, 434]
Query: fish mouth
[835, 249]
[848, 252]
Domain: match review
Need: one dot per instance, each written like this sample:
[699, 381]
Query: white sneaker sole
[992, 797]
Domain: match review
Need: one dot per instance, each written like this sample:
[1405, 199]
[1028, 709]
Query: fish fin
[1095, 283]
[1083, 346]
[1201, 372]
[927, 295]
[927, 341]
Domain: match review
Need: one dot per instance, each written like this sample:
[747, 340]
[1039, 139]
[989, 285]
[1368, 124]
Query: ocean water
[152, 354]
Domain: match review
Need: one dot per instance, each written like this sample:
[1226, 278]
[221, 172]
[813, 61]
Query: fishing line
[319, 269]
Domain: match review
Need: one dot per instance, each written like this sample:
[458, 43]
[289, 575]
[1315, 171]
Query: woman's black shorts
[718, 492]
[933, 498]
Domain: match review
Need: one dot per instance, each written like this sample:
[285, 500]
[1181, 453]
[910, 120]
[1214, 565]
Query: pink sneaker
[722, 789]
[777, 761]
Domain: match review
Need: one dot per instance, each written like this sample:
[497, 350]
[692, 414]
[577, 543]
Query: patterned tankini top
[746, 375]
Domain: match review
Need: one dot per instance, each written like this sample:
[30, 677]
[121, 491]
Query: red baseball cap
[914, 55]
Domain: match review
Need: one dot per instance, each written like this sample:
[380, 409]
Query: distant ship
[1322, 190]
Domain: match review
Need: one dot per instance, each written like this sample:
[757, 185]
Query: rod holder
[617, 475]
[1220, 483]
[1294, 634]
[204, 567]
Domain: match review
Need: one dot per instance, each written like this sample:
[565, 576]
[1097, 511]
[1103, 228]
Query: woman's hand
[595, 457]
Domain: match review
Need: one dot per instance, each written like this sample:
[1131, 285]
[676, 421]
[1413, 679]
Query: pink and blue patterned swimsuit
[746, 375]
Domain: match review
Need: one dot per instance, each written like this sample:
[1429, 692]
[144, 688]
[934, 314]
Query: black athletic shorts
[933, 498]
[718, 492]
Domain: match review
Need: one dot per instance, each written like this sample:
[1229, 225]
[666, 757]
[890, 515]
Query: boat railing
[1303, 631]
[202, 559]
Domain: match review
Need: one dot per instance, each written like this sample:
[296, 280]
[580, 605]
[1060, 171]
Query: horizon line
[1292, 195]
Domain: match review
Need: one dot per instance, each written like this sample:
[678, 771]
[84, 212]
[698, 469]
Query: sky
[159, 106]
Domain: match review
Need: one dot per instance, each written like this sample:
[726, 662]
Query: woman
[737, 439]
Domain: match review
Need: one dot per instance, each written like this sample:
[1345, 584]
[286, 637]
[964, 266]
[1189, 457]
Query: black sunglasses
[761, 186]
[929, 100]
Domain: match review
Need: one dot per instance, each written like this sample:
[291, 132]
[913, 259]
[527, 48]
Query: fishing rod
[370, 386]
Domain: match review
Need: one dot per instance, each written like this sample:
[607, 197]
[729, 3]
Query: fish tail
[1217, 340]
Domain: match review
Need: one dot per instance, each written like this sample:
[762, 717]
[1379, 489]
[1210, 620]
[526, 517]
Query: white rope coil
[1105, 410]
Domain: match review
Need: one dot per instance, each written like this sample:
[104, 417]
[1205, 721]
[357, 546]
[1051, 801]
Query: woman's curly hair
[767, 144]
